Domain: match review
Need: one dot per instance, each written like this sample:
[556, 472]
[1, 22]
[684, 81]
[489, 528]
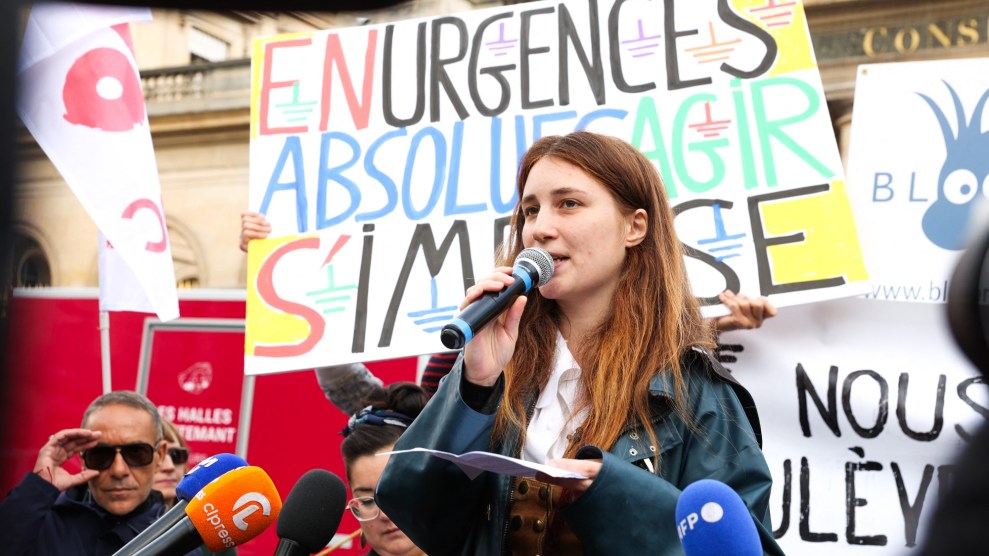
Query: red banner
[53, 373]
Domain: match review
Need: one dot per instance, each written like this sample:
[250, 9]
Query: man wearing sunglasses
[99, 509]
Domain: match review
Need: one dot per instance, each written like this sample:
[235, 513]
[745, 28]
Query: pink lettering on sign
[161, 244]
[266, 290]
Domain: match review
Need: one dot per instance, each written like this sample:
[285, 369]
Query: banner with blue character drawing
[918, 171]
[384, 156]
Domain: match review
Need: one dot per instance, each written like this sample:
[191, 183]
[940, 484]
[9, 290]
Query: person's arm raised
[746, 313]
[59, 449]
[348, 386]
[253, 225]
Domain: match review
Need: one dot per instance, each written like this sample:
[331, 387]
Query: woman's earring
[363, 541]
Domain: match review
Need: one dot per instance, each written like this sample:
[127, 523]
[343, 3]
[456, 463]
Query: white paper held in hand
[472, 463]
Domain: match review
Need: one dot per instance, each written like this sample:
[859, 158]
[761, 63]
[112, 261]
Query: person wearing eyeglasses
[95, 511]
[374, 429]
[173, 465]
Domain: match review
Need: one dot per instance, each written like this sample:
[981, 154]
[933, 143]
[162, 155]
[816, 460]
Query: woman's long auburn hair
[654, 316]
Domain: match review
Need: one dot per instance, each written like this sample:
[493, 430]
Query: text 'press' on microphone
[207, 471]
[227, 512]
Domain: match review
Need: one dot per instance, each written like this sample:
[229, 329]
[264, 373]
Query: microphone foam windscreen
[206, 472]
[235, 508]
[313, 509]
[713, 520]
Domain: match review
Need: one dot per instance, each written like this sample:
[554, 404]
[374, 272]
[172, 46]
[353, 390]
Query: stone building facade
[195, 70]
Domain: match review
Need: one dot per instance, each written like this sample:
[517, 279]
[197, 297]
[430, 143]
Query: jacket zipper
[529, 410]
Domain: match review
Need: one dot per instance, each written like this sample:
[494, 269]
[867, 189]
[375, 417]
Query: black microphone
[533, 268]
[198, 477]
[311, 513]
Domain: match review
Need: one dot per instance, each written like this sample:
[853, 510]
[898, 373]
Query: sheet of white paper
[472, 463]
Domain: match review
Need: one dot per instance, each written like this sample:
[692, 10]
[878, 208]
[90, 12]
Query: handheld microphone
[194, 480]
[227, 512]
[311, 513]
[533, 268]
[712, 520]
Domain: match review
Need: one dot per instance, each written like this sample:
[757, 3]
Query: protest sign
[864, 406]
[384, 157]
[917, 171]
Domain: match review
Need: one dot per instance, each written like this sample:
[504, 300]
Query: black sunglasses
[136, 454]
[178, 455]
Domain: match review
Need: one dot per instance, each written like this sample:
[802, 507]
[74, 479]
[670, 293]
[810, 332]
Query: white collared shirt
[551, 423]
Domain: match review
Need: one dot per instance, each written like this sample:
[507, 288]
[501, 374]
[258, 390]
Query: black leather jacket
[627, 509]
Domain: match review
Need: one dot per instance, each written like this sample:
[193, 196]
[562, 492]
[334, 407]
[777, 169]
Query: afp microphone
[533, 268]
[712, 520]
[311, 513]
[227, 512]
[198, 477]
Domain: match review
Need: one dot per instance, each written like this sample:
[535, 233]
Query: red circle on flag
[102, 91]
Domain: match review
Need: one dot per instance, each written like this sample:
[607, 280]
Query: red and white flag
[80, 97]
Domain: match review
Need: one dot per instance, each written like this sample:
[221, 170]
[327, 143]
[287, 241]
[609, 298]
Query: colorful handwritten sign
[385, 156]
